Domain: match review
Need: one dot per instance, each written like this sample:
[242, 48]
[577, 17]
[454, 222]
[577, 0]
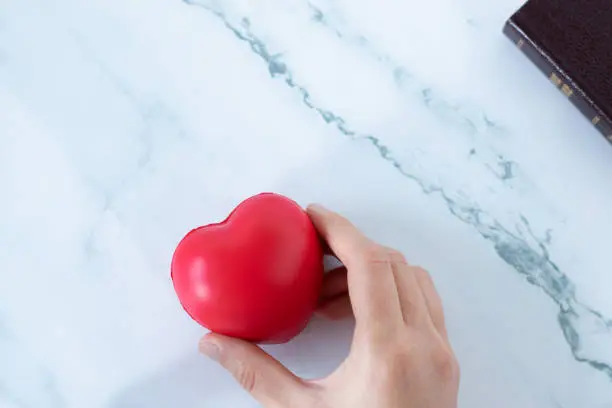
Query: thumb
[264, 377]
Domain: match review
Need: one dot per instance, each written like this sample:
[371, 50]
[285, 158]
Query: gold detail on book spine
[567, 90]
[596, 120]
[555, 79]
[520, 43]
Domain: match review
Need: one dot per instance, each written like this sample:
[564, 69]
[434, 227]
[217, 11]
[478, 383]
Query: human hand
[400, 355]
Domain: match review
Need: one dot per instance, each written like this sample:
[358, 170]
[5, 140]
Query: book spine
[560, 79]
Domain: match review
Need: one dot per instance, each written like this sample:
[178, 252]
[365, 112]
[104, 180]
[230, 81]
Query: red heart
[254, 276]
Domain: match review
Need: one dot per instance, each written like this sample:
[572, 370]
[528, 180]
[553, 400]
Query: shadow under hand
[318, 350]
[191, 382]
[197, 382]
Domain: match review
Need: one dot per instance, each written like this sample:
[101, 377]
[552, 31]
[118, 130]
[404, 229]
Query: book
[571, 42]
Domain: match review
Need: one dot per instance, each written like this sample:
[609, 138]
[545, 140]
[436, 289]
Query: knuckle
[424, 277]
[374, 254]
[396, 256]
[444, 364]
[246, 377]
[422, 273]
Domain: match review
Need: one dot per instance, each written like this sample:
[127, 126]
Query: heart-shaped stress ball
[256, 275]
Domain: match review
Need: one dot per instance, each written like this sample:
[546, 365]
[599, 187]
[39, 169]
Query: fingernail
[317, 208]
[209, 349]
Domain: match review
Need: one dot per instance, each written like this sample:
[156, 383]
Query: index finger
[371, 284]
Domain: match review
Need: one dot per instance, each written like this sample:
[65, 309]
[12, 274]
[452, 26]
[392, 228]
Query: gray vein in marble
[576, 320]
[401, 74]
[124, 90]
[474, 124]
[152, 114]
[505, 168]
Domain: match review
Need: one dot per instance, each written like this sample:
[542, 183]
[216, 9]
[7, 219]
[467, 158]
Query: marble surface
[123, 124]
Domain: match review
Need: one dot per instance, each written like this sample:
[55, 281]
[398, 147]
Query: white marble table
[125, 123]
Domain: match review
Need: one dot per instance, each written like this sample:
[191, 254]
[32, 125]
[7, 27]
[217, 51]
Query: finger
[412, 301]
[370, 278]
[343, 238]
[266, 379]
[336, 309]
[432, 300]
[334, 283]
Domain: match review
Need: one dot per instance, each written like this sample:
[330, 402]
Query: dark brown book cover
[571, 42]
